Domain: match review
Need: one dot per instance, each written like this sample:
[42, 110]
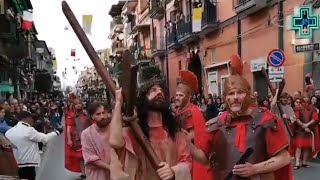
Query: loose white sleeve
[36, 136]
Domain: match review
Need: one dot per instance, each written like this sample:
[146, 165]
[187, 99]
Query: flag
[86, 23]
[73, 52]
[27, 20]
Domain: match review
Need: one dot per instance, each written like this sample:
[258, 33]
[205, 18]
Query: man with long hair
[162, 131]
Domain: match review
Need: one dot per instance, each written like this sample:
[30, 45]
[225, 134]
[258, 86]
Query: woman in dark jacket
[212, 110]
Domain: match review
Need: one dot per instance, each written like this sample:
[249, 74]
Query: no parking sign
[276, 58]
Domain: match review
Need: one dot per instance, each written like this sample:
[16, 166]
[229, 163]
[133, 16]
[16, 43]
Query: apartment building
[251, 28]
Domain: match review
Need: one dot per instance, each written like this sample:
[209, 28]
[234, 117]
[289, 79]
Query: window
[213, 82]
[180, 65]
[173, 16]
[2, 7]
[222, 82]
[213, 56]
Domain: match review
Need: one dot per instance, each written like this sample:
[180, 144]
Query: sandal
[305, 165]
[296, 167]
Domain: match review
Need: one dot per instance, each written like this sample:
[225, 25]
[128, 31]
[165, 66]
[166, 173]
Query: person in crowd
[4, 127]
[306, 133]
[75, 124]
[212, 110]
[265, 103]
[26, 139]
[95, 143]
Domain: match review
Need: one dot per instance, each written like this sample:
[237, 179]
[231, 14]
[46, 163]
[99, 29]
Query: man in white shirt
[26, 139]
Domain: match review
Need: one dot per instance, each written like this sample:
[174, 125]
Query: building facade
[249, 28]
[201, 35]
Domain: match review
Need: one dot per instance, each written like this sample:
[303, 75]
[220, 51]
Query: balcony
[140, 28]
[116, 25]
[158, 47]
[143, 56]
[117, 47]
[157, 9]
[209, 21]
[184, 32]
[8, 28]
[251, 6]
[172, 40]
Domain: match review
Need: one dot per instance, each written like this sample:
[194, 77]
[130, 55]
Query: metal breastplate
[224, 155]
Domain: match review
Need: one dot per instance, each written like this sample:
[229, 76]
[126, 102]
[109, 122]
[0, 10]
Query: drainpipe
[239, 39]
[166, 44]
[281, 24]
[280, 28]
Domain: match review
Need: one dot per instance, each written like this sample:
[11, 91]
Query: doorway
[195, 67]
[260, 85]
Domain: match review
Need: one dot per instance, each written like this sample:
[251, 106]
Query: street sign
[276, 74]
[258, 64]
[276, 58]
[307, 47]
[276, 78]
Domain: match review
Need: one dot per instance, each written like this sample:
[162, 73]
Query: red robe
[197, 123]
[72, 162]
[275, 141]
[133, 162]
[305, 141]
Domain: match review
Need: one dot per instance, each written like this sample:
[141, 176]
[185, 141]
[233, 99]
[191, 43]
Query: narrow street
[52, 164]
[311, 173]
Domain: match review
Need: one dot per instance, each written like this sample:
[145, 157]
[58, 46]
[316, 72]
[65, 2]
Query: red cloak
[197, 122]
[72, 162]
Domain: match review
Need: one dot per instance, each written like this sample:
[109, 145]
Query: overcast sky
[51, 22]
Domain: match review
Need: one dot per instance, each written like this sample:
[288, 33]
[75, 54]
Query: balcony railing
[184, 28]
[253, 5]
[209, 15]
[8, 28]
[116, 22]
[172, 37]
[240, 2]
[158, 44]
[157, 9]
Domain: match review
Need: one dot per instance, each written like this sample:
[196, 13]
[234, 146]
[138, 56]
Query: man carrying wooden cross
[162, 131]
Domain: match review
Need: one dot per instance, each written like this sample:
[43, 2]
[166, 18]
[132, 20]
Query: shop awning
[6, 88]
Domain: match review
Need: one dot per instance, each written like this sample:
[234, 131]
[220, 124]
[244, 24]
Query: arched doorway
[194, 66]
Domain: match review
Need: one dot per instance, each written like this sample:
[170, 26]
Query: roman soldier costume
[190, 118]
[305, 140]
[251, 129]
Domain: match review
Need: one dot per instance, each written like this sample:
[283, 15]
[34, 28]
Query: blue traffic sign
[276, 58]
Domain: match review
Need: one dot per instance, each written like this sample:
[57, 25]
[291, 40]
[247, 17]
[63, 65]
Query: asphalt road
[52, 164]
[312, 173]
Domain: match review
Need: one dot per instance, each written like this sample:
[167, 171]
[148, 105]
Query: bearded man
[162, 131]
[245, 141]
[95, 143]
[76, 122]
[190, 118]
